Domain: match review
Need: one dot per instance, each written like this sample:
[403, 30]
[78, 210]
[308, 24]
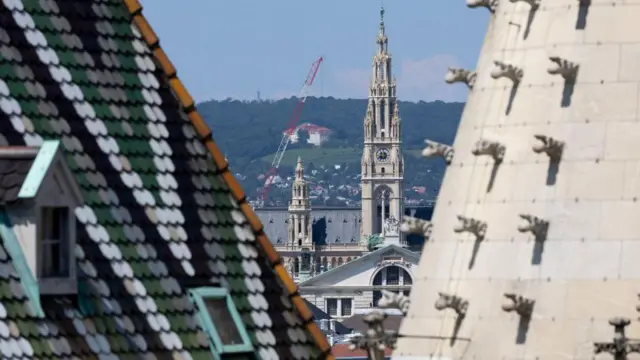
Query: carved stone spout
[454, 302]
[492, 148]
[565, 68]
[535, 225]
[550, 146]
[455, 75]
[509, 71]
[437, 149]
[518, 303]
[375, 339]
[391, 300]
[492, 5]
[533, 3]
[414, 225]
[476, 227]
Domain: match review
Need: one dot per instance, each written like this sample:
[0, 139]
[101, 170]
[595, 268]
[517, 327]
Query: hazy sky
[233, 48]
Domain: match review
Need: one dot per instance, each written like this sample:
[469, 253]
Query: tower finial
[382, 17]
[299, 169]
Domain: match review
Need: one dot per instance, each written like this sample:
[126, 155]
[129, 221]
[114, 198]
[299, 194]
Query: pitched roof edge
[204, 132]
[362, 258]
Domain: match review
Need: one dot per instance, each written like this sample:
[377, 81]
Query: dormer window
[221, 322]
[39, 224]
[54, 242]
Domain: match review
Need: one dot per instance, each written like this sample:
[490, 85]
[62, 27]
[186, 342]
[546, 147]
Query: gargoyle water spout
[391, 300]
[509, 71]
[491, 148]
[447, 301]
[535, 225]
[518, 303]
[550, 146]
[565, 68]
[476, 227]
[492, 5]
[437, 149]
[455, 75]
[414, 225]
[533, 3]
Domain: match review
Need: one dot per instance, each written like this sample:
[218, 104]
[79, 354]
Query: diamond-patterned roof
[162, 212]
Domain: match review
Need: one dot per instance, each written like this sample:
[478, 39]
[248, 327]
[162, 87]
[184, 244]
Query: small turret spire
[299, 169]
[382, 37]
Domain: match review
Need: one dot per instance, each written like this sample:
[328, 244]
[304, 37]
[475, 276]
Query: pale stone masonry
[537, 225]
[382, 160]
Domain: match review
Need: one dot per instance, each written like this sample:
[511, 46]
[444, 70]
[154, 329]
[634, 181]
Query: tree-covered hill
[249, 132]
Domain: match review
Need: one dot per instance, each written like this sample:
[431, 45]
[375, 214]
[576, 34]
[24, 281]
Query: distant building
[317, 134]
[342, 258]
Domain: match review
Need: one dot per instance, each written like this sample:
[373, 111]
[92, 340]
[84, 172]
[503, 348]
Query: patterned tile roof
[14, 167]
[162, 211]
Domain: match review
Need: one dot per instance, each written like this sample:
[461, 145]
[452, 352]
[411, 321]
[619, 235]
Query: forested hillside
[249, 132]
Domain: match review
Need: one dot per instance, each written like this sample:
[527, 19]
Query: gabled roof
[162, 211]
[354, 263]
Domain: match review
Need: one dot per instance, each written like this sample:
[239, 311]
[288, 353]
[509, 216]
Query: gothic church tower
[300, 211]
[382, 162]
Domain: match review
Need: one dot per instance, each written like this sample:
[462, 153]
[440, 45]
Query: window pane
[377, 295]
[332, 307]
[346, 307]
[223, 321]
[393, 275]
[54, 251]
[53, 264]
[406, 278]
[377, 280]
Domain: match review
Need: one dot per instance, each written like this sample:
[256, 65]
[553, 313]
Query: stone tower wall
[587, 267]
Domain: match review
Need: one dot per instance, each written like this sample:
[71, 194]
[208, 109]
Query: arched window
[390, 276]
[318, 266]
[333, 263]
[377, 295]
[324, 264]
[340, 261]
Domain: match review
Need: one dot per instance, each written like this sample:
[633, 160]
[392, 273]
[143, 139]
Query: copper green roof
[162, 212]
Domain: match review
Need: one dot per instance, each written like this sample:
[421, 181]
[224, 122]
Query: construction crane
[291, 127]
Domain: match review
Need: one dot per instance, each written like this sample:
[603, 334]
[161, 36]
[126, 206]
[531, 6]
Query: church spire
[299, 170]
[382, 40]
[382, 161]
[300, 210]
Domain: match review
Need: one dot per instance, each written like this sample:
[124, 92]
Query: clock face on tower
[382, 155]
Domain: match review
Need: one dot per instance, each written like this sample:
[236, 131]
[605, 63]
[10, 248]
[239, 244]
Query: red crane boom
[291, 127]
